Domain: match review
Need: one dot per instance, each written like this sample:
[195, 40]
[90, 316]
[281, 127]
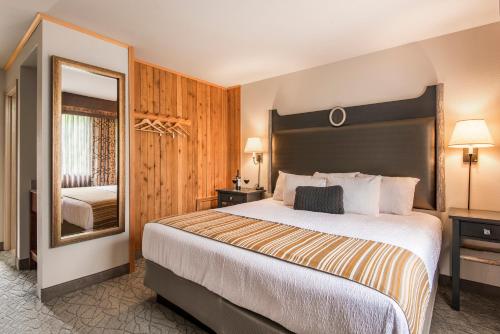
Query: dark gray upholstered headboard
[397, 138]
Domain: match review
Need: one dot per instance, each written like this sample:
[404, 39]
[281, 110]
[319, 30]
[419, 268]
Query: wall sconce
[254, 146]
[470, 135]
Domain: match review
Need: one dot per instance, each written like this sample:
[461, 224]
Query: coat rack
[173, 126]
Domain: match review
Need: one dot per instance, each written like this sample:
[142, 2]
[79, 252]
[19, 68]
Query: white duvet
[80, 213]
[301, 299]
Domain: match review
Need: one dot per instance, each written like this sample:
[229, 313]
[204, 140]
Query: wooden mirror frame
[56, 238]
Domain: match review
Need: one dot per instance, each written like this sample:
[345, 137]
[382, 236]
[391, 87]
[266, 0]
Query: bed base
[217, 313]
[210, 309]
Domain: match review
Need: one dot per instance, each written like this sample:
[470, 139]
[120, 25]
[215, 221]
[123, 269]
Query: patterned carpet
[120, 305]
[124, 305]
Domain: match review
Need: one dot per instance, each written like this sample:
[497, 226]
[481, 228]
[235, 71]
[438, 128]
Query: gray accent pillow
[320, 199]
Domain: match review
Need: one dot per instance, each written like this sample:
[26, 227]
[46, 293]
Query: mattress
[301, 299]
[78, 212]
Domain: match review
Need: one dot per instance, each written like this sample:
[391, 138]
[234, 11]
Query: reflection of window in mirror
[89, 151]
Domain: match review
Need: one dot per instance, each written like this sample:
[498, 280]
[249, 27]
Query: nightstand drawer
[480, 231]
[232, 198]
[227, 197]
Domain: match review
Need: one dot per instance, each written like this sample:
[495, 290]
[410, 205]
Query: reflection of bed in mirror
[88, 208]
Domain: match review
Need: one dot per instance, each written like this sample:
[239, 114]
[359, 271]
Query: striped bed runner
[391, 270]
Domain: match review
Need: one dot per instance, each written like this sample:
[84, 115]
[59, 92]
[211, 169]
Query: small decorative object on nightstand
[471, 224]
[228, 197]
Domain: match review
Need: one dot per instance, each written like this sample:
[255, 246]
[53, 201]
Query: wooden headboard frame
[396, 138]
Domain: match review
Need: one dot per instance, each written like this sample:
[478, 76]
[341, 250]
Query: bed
[90, 207]
[300, 299]
[234, 289]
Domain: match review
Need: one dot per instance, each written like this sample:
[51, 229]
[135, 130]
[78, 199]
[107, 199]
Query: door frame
[11, 155]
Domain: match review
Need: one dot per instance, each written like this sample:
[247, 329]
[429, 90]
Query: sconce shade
[253, 145]
[471, 133]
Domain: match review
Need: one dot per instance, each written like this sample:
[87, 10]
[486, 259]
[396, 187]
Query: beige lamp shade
[253, 145]
[471, 133]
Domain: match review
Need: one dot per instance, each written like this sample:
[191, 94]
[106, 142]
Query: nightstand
[476, 225]
[227, 197]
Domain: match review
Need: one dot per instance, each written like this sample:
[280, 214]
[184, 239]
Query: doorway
[10, 170]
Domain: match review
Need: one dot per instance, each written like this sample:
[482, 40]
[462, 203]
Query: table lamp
[470, 135]
[254, 146]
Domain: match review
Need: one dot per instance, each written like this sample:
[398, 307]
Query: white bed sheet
[301, 299]
[80, 213]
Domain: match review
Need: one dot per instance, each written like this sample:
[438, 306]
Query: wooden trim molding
[168, 119]
[441, 146]
[163, 68]
[74, 110]
[23, 41]
[83, 30]
[39, 17]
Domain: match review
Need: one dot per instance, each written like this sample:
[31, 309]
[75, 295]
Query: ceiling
[232, 42]
[84, 83]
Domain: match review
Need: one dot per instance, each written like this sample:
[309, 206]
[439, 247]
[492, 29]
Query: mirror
[88, 147]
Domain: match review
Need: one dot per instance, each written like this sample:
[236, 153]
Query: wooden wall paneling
[182, 149]
[225, 141]
[179, 175]
[201, 112]
[217, 154]
[178, 167]
[234, 144]
[162, 194]
[136, 184]
[192, 161]
[157, 146]
[230, 120]
[151, 137]
[210, 142]
[171, 102]
[143, 153]
[131, 155]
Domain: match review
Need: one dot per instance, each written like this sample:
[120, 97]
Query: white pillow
[396, 194]
[292, 181]
[325, 175]
[361, 194]
[280, 183]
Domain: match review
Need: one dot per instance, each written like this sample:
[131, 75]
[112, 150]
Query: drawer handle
[486, 231]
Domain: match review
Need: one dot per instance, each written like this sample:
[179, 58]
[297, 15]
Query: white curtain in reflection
[76, 146]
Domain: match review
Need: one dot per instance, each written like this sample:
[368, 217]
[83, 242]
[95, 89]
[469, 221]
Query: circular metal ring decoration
[342, 121]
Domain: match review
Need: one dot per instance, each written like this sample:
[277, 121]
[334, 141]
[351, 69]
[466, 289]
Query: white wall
[467, 63]
[62, 264]
[2, 139]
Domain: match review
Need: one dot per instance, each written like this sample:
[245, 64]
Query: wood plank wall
[178, 175]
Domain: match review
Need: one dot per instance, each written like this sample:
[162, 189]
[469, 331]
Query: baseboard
[23, 264]
[83, 282]
[480, 288]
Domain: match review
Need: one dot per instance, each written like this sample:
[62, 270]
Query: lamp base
[259, 188]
